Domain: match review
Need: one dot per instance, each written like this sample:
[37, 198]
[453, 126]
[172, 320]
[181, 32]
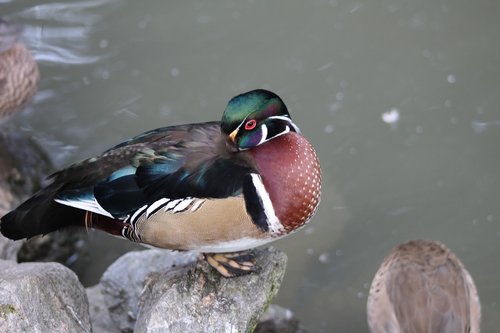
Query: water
[400, 98]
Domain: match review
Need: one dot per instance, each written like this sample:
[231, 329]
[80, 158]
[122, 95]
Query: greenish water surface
[400, 98]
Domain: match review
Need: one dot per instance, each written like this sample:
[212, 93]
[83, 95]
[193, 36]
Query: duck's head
[256, 117]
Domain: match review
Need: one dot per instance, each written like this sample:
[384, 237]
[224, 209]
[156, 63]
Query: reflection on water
[400, 99]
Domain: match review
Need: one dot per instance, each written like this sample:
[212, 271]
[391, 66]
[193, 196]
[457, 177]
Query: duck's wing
[172, 162]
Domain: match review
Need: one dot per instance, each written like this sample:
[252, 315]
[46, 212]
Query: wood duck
[214, 187]
[422, 287]
[18, 70]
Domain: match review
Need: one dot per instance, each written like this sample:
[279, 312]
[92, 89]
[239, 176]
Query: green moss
[6, 309]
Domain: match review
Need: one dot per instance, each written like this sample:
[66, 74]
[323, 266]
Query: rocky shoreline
[144, 291]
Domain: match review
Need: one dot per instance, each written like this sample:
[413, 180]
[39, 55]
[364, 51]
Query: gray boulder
[278, 320]
[199, 299]
[9, 248]
[99, 314]
[123, 281]
[41, 297]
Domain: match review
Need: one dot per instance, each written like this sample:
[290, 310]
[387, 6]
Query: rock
[9, 248]
[41, 297]
[123, 281]
[278, 320]
[23, 168]
[99, 314]
[199, 299]
[63, 246]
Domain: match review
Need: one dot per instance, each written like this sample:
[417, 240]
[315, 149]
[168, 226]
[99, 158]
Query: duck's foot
[233, 264]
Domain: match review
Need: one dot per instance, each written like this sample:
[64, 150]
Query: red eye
[250, 125]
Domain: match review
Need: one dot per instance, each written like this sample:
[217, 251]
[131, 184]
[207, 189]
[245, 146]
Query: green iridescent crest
[258, 116]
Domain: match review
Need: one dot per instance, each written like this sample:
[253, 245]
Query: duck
[220, 188]
[423, 287]
[19, 74]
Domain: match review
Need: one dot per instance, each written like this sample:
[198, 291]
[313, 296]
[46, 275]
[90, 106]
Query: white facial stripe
[264, 132]
[287, 130]
[288, 120]
[275, 226]
[238, 127]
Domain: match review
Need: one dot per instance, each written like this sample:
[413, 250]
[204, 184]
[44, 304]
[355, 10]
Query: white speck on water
[361, 294]
[308, 230]
[418, 21]
[310, 251]
[366, 285]
[203, 19]
[355, 8]
[324, 258]
[165, 110]
[175, 72]
[475, 221]
[103, 43]
[105, 74]
[393, 7]
[328, 129]
[451, 79]
[339, 96]
[334, 107]
[85, 80]
[479, 127]
[447, 104]
[326, 66]
[143, 23]
[453, 120]
[490, 218]
[125, 112]
[419, 130]
[391, 116]
[339, 253]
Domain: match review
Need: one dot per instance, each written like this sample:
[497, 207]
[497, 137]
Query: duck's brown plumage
[422, 287]
[19, 73]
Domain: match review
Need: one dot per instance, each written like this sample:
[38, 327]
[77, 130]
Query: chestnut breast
[291, 174]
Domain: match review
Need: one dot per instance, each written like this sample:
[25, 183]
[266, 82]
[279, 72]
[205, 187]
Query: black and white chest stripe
[260, 207]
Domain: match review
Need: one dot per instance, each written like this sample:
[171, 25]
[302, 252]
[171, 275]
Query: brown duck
[18, 70]
[422, 287]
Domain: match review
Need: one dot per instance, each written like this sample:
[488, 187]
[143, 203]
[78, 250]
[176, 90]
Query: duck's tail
[41, 214]
[38, 215]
